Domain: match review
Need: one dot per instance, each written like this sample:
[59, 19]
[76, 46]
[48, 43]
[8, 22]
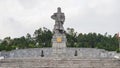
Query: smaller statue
[59, 21]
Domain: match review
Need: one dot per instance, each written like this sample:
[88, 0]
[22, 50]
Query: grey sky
[19, 17]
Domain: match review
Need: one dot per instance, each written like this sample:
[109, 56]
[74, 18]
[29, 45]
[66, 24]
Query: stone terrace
[59, 63]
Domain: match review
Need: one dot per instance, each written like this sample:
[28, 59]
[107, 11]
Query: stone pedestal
[59, 45]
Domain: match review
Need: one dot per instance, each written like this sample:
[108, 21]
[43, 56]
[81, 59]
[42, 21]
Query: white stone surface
[1, 57]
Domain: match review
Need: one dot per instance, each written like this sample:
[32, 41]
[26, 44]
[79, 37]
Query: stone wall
[22, 53]
[90, 53]
[70, 52]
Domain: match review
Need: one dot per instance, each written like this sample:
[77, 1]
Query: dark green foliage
[92, 40]
[42, 38]
[71, 37]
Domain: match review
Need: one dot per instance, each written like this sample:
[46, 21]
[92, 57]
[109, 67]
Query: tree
[30, 41]
[71, 37]
[42, 38]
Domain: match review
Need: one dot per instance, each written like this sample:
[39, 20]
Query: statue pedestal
[59, 45]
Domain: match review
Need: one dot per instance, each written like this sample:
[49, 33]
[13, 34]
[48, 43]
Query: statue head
[59, 10]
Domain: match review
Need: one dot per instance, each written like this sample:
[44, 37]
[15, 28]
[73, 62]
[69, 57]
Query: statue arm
[63, 18]
[53, 16]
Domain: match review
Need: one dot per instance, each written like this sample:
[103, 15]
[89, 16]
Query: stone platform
[59, 63]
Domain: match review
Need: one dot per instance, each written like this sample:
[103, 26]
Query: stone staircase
[59, 63]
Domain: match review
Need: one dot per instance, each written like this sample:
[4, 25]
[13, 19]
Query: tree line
[42, 38]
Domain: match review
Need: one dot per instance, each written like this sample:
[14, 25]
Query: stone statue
[59, 21]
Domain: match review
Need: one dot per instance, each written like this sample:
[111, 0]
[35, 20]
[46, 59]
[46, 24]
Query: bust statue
[59, 21]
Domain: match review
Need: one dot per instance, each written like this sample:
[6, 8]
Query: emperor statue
[59, 18]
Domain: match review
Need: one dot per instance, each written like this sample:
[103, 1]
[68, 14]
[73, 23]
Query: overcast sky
[19, 17]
